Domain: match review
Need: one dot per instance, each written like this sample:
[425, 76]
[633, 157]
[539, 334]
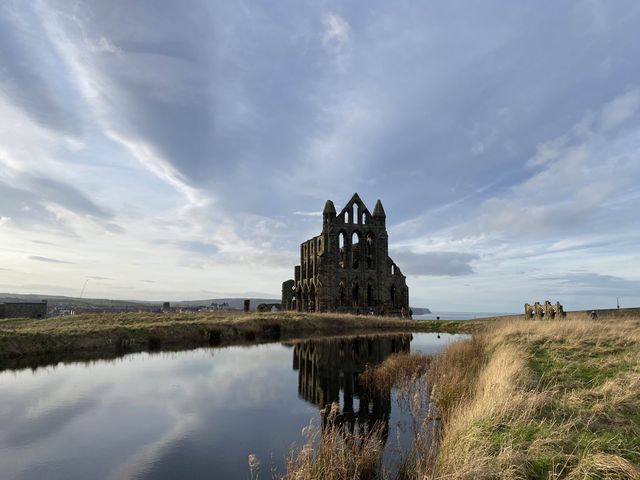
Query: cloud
[316, 213]
[66, 195]
[434, 263]
[114, 228]
[48, 260]
[222, 130]
[620, 110]
[590, 283]
[336, 32]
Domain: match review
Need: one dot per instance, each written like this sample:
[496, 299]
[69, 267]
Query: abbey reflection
[328, 367]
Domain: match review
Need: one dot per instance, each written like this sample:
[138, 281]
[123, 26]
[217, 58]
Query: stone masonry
[347, 267]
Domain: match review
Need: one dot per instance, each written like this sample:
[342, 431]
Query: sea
[459, 315]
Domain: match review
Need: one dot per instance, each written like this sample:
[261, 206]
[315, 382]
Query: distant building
[347, 267]
[23, 309]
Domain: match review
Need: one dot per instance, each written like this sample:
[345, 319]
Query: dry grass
[334, 453]
[553, 400]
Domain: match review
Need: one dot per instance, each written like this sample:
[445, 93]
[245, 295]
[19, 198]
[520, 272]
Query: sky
[165, 150]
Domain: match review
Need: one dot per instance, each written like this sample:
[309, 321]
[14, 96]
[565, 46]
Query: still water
[191, 414]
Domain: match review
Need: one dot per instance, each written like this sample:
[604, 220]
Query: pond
[190, 414]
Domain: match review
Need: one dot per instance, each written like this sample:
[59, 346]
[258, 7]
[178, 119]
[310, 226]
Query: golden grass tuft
[604, 466]
[334, 453]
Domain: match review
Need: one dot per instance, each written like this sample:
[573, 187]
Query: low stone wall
[23, 310]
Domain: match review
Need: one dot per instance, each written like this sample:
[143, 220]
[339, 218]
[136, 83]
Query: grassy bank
[525, 400]
[141, 331]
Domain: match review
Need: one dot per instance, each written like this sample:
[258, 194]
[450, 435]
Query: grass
[524, 400]
[90, 333]
[333, 453]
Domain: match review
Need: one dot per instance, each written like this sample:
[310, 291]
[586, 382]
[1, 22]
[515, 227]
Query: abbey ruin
[548, 311]
[347, 267]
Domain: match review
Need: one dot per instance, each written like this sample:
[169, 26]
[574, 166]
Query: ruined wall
[288, 295]
[23, 310]
[347, 267]
[547, 311]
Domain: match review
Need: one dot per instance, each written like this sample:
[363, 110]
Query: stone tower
[347, 267]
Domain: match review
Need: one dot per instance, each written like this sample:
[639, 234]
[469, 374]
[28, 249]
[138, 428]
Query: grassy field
[524, 400]
[140, 331]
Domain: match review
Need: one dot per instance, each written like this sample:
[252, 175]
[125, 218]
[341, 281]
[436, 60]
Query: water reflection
[329, 368]
[190, 414]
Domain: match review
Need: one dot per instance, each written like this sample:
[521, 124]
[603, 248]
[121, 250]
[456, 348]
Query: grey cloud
[31, 71]
[43, 242]
[114, 228]
[434, 263]
[66, 195]
[201, 248]
[25, 202]
[411, 121]
[48, 260]
[191, 246]
[96, 277]
[590, 284]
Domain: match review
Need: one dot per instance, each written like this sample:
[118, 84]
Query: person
[411, 313]
[594, 315]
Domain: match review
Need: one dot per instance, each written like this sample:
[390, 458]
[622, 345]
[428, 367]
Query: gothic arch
[313, 298]
[356, 250]
[342, 295]
[342, 249]
[370, 249]
[355, 294]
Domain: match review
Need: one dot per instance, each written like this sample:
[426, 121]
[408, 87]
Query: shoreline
[97, 335]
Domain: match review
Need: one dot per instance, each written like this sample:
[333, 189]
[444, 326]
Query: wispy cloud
[49, 260]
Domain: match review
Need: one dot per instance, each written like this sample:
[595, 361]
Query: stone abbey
[347, 267]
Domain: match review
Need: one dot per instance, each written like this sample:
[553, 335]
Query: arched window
[355, 294]
[393, 295]
[354, 213]
[393, 269]
[355, 250]
[369, 295]
[369, 249]
[346, 216]
[364, 218]
[305, 299]
[342, 251]
[312, 298]
[342, 292]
